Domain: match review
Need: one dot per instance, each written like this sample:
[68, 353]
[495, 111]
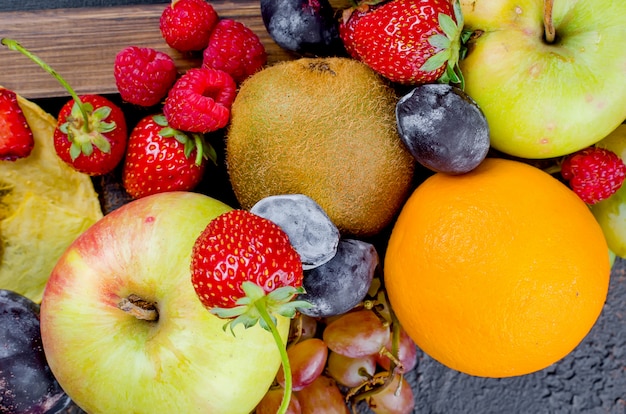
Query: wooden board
[81, 44]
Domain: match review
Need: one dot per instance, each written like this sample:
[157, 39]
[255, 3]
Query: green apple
[159, 351]
[545, 98]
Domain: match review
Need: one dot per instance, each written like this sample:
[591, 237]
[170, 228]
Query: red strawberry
[91, 134]
[187, 24]
[406, 41]
[594, 173]
[235, 49]
[143, 75]
[91, 131]
[238, 247]
[160, 158]
[16, 137]
[200, 100]
[244, 268]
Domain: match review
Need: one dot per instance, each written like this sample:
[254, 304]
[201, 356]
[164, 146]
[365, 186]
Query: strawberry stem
[260, 306]
[14, 45]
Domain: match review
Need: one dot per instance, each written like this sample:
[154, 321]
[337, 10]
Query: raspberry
[143, 75]
[594, 173]
[200, 100]
[186, 25]
[235, 49]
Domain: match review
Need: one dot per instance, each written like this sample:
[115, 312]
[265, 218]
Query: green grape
[611, 213]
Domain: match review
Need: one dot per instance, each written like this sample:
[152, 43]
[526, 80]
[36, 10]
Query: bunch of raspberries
[198, 101]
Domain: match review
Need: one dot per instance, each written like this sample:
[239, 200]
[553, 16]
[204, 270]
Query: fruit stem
[14, 45]
[284, 405]
[547, 21]
[139, 308]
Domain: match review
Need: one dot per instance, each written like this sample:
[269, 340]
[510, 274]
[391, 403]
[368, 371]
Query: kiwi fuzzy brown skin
[324, 127]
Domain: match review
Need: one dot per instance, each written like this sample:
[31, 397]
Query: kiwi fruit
[326, 128]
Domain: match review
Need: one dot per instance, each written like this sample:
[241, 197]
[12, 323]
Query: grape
[26, 382]
[302, 327]
[271, 401]
[407, 352]
[338, 286]
[391, 400]
[611, 213]
[346, 371]
[356, 334]
[307, 360]
[302, 26]
[310, 230]
[322, 396]
[443, 128]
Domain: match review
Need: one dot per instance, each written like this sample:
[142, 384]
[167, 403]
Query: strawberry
[406, 41]
[16, 137]
[91, 131]
[593, 173]
[244, 268]
[91, 134]
[160, 158]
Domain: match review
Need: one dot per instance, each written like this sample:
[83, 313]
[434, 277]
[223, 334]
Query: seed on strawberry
[243, 268]
[160, 158]
[593, 173]
[200, 100]
[187, 24]
[143, 75]
[235, 49]
[406, 41]
[16, 137]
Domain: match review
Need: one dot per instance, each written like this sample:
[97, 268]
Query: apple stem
[284, 405]
[139, 308]
[547, 21]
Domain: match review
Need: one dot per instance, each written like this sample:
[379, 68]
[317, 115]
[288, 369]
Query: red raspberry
[143, 75]
[594, 173]
[187, 24]
[200, 100]
[235, 49]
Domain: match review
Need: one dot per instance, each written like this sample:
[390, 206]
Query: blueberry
[311, 232]
[443, 128]
[339, 285]
[27, 384]
[306, 27]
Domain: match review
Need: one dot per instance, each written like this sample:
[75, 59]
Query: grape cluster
[358, 357]
[347, 348]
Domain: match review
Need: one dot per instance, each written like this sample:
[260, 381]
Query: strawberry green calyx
[190, 141]
[84, 127]
[257, 306]
[451, 44]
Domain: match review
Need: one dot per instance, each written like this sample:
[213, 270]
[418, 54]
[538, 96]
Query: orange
[498, 272]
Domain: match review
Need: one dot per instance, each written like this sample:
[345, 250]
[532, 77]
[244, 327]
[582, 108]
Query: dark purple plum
[27, 385]
[443, 128]
[342, 283]
[306, 27]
